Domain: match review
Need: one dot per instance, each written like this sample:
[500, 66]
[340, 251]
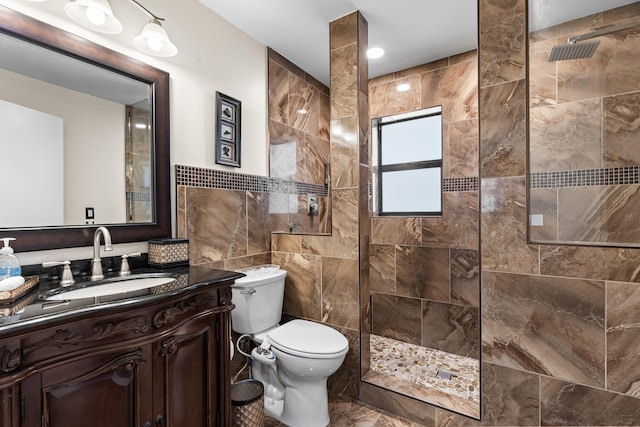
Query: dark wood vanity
[160, 359]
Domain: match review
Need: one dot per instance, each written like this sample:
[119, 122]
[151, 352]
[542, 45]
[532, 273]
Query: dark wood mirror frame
[29, 239]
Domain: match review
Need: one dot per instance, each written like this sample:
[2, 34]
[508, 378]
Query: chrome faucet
[96, 263]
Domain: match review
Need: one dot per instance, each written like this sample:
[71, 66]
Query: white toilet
[294, 360]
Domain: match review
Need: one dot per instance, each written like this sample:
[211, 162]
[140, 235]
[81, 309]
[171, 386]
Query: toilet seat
[307, 339]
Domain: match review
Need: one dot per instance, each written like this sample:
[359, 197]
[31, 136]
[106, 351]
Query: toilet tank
[258, 299]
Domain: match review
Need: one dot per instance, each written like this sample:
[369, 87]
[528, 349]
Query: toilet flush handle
[250, 291]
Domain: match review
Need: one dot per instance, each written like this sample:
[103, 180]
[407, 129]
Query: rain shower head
[574, 50]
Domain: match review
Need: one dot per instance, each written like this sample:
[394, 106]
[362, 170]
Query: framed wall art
[228, 112]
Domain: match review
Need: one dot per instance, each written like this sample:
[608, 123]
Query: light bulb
[96, 16]
[155, 44]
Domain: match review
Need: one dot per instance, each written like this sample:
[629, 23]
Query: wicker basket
[165, 253]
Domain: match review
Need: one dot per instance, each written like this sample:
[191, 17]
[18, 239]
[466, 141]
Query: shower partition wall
[584, 131]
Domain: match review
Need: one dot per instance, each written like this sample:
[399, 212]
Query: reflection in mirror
[584, 122]
[420, 335]
[87, 134]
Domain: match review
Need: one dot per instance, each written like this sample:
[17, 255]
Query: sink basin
[115, 288]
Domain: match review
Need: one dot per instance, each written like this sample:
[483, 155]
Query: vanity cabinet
[163, 362]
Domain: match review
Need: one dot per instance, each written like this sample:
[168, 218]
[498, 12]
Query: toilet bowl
[293, 360]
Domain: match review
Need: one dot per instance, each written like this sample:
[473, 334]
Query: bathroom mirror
[120, 143]
[584, 122]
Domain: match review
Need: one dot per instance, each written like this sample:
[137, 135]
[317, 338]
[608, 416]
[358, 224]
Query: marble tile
[181, 211]
[504, 224]
[544, 201]
[363, 60]
[396, 403]
[343, 242]
[424, 68]
[278, 93]
[451, 328]
[258, 223]
[502, 41]
[344, 71]
[364, 201]
[471, 55]
[610, 71]
[423, 272]
[465, 277]
[619, 13]
[363, 130]
[303, 111]
[316, 154]
[463, 149]
[455, 88]
[346, 379]
[598, 263]
[563, 404]
[503, 129]
[622, 130]
[382, 271]
[344, 152]
[458, 226]
[216, 224]
[396, 317]
[303, 288]
[385, 100]
[547, 325]
[324, 116]
[402, 231]
[566, 136]
[601, 214]
[343, 31]
[623, 335]
[340, 303]
[509, 398]
[246, 261]
[542, 73]
[286, 242]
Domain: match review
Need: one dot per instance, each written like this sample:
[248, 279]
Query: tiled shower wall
[585, 133]
[427, 268]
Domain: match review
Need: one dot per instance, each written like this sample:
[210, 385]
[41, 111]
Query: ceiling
[412, 32]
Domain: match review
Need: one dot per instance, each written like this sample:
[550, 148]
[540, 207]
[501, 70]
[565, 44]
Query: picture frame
[228, 121]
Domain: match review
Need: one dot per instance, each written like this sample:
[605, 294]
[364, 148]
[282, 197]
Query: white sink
[120, 288]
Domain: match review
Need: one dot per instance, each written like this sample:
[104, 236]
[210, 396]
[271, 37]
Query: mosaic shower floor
[413, 370]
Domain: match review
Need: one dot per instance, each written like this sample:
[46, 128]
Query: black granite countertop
[34, 309]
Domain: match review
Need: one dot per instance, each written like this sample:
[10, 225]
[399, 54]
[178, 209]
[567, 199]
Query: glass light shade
[154, 40]
[94, 14]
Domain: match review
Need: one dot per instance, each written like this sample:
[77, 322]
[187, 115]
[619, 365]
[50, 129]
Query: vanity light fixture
[98, 16]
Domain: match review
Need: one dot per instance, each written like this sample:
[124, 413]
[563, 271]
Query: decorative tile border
[211, 178]
[586, 177]
[137, 196]
[460, 184]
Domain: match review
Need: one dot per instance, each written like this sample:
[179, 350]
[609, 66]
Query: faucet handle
[67, 275]
[124, 267]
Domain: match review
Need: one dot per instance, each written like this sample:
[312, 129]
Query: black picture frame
[228, 115]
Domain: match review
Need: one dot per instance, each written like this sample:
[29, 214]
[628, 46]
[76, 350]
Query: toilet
[293, 360]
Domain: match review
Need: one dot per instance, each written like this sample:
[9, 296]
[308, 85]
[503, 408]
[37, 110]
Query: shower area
[584, 156]
[421, 332]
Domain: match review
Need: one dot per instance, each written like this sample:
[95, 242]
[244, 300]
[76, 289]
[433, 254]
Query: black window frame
[405, 166]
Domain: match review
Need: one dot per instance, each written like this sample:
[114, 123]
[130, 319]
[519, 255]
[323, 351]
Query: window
[407, 172]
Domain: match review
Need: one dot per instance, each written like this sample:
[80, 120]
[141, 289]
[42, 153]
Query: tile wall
[585, 133]
[559, 335]
[424, 272]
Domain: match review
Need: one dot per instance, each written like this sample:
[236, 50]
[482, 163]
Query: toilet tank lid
[259, 273]
[305, 337]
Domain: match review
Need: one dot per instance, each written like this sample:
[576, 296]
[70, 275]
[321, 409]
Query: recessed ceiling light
[403, 87]
[375, 52]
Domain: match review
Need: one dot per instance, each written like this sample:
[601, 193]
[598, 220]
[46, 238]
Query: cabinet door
[186, 395]
[101, 390]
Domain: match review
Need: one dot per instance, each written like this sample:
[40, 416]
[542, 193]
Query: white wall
[213, 56]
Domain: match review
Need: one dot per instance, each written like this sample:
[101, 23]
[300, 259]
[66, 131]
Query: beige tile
[544, 201]
[302, 292]
[623, 333]
[423, 272]
[340, 302]
[303, 111]
[622, 130]
[382, 268]
[455, 88]
[451, 328]
[385, 100]
[396, 317]
[407, 231]
[344, 92]
[465, 277]
[278, 93]
[598, 263]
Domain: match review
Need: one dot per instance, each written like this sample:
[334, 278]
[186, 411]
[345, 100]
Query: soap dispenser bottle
[9, 264]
